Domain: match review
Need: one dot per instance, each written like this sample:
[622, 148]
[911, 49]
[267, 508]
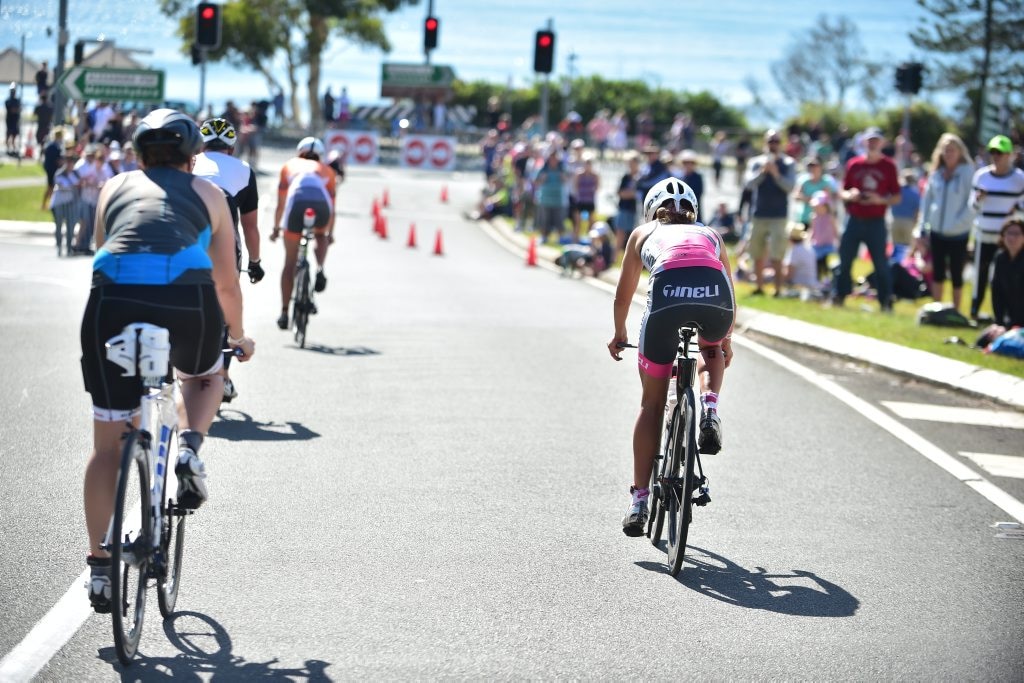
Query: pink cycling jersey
[679, 246]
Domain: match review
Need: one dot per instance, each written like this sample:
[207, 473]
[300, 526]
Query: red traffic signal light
[544, 52]
[430, 28]
[208, 25]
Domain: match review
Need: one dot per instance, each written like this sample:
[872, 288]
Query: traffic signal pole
[202, 80]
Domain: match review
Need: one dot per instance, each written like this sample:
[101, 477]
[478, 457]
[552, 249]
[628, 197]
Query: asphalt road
[434, 490]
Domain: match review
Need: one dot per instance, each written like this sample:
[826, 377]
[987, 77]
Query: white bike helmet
[669, 188]
[310, 145]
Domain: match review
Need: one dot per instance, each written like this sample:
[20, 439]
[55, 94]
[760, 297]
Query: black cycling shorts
[191, 313]
[697, 295]
[295, 221]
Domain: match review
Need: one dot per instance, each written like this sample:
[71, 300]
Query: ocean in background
[693, 45]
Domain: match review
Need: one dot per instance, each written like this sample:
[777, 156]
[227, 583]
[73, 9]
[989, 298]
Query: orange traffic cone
[531, 252]
[384, 200]
[438, 248]
[383, 232]
[444, 194]
[376, 224]
[412, 236]
[375, 210]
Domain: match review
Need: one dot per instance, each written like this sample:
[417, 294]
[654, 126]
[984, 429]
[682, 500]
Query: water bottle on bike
[309, 219]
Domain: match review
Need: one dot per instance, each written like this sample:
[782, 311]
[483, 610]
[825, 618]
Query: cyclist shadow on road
[339, 350]
[234, 425]
[204, 653]
[799, 592]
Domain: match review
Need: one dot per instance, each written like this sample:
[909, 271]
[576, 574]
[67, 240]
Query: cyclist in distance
[166, 256]
[238, 181]
[690, 283]
[306, 183]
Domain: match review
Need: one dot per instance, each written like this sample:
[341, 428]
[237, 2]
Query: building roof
[11, 70]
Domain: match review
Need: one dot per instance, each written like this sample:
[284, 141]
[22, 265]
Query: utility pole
[980, 108]
[58, 68]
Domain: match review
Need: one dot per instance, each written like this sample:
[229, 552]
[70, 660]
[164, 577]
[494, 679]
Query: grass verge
[27, 169]
[22, 204]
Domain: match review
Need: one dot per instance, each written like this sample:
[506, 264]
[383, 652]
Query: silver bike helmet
[168, 127]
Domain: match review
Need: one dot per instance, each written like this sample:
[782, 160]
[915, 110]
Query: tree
[824, 63]
[974, 44]
[256, 31]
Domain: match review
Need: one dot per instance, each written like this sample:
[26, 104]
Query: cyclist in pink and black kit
[691, 284]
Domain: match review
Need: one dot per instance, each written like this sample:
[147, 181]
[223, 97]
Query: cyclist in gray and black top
[238, 181]
[165, 256]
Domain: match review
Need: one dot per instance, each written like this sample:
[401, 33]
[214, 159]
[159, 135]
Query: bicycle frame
[158, 415]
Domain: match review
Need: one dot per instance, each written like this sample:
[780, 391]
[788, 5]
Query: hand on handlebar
[256, 272]
[616, 345]
[247, 347]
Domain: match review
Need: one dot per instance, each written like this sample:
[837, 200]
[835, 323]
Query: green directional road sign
[114, 85]
[412, 80]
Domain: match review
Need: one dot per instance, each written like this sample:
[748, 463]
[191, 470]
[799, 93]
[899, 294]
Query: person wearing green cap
[998, 192]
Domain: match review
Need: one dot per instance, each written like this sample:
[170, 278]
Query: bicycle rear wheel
[656, 522]
[130, 547]
[300, 309]
[172, 540]
[680, 500]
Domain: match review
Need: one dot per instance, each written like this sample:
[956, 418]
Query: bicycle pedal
[703, 499]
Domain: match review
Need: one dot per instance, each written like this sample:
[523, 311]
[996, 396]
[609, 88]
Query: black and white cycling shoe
[98, 584]
[636, 518]
[710, 440]
[191, 480]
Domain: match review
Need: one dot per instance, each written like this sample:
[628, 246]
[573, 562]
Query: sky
[690, 45]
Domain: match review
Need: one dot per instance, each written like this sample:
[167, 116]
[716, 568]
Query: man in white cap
[871, 185]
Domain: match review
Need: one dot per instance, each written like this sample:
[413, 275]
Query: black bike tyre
[126, 613]
[656, 523]
[300, 312]
[172, 542]
[682, 515]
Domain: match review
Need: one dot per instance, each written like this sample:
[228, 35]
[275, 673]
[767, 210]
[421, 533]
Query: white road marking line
[965, 474]
[56, 627]
[49, 635]
[1010, 466]
[969, 416]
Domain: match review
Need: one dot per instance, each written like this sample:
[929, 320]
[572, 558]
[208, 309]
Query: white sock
[709, 401]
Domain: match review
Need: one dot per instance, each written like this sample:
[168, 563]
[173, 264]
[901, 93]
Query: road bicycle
[146, 537]
[302, 292]
[677, 473]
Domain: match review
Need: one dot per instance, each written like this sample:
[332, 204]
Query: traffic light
[909, 77]
[208, 25]
[430, 27]
[544, 52]
[79, 51]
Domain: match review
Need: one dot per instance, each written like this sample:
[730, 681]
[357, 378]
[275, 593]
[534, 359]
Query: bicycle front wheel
[172, 540]
[680, 500]
[658, 497]
[300, 309]
[130, 547]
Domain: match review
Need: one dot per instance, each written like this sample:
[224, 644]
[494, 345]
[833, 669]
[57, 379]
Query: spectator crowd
[810, 204]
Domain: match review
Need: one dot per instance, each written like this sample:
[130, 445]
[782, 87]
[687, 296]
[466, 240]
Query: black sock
[190, 439]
